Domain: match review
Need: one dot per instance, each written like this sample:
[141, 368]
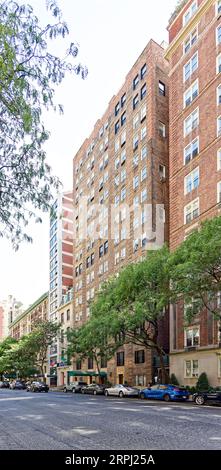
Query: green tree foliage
[173, 380]
[195, 269]
[203, 383]
[29, 73]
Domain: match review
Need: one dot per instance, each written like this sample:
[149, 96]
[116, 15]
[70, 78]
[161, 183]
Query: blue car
[165, 392]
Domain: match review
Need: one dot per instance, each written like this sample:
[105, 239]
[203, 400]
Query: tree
[90, 341]
[18, 358]
[131, 306]
[173, 380]
[195, 269]
[5, 347]
[28, 74]
[40, 339]
[203, 383]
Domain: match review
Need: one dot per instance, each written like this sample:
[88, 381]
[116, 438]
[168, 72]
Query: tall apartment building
[61, 265]
[123, 165]
[194, 55]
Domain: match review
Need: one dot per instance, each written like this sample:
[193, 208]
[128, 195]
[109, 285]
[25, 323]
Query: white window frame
[218, 65]
[188, 117]
[217, 35]
[191, 175]
[190, 11]
[185, 210]
[219, 159]
[190, 38]
[218, 5]
[191, 68]
[219, 192]
[190, 90]
[219, 126]
[191, 376]
[218, 92]
[191, 329]
[191, 144]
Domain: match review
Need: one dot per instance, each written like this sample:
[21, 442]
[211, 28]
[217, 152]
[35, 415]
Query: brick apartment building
[24, 323]
[124, 163]
[194, 55]
[60, 267]
[10, 309]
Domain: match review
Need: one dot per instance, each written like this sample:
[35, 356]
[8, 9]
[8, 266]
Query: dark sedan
[209, 398]
[17, 385]
[4, 384]
[37, 387]
[94, 389]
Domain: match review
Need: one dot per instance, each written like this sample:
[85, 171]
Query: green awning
[78, 373]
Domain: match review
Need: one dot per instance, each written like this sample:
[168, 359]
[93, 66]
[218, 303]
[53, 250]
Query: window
[135, 161]
[192, 337]
[191, 122]
[78, 364]
[123, 100]
[117, 108]
[218, 35]
[120, 359]
[139, 357]
[191, 211]
[123, 194]
[68, 314]
[219, 192]
[191, 181]
[136, 182]
[105, 266]
[117, 163]
[162, 129]
[123, 253]
[162, 89]
[135, 142]
[218, 126]
[190, 12]
[135, 82]
[116, 258]
[218, 95]
[191, 94]
[105, 247]
[219, 159]
[190, 41]
[143, 196]
[101, 251]
[123, 175]
[123, 118]
[190, 67]
[162, 171]
[143, 113]
[218, 7]
[135, 245]
[143, 174]
[191, 369]
[116, 145]
[143, 153]
[218, 64]
[143, 132]
[123, 138]
[90, 363]
[143, 71]
[117, 127]
[135, 101]
[140, 380]
[123, 157]
[191, 151]
[117, 180]
[62, 317]
[136, 121]
[143, 91]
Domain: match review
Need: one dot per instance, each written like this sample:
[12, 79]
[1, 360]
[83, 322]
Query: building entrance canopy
[78, 373]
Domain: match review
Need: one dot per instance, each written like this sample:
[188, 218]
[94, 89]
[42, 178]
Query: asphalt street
[56, 420]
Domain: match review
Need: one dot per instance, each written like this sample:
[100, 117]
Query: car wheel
[199, 400]
[46, 391]
[73, 390]
[121, 394]
[106, 393]
[142, 396]
[166, 397]
[82, 391]
[95, 393]
[65, 390]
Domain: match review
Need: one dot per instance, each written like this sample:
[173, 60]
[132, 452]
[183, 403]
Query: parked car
[94, 389]
[74, 387]
[209, 398]
[17, 385]
[122, 391]
[37, 387]
[165, 392]
[4, 384]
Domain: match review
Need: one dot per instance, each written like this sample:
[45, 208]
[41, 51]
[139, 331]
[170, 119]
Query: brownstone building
[123, 165]
[194, 55]
[24, 323]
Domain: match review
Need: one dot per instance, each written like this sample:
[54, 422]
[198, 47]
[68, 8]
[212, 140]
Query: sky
[111, 35]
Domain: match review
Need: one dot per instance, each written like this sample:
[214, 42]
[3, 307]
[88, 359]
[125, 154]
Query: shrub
[203, 383]
[173, 380]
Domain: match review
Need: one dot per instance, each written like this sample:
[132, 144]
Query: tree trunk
[165, 377]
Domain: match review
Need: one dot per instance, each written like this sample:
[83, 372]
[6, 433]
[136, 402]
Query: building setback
[194, 55]
[60, 266]
[123, 163]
